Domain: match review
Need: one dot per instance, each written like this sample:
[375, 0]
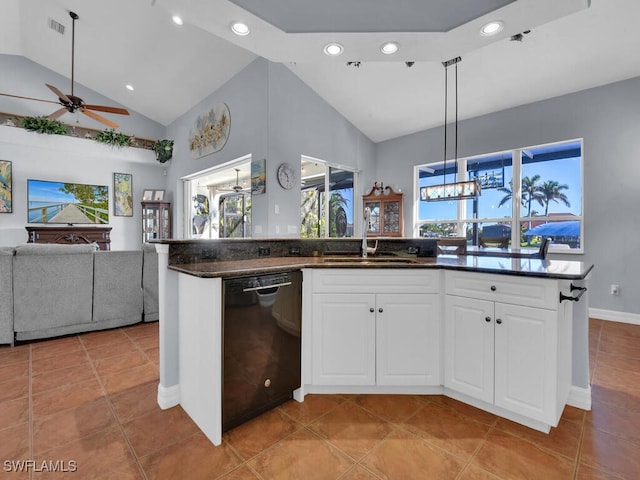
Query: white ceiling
[572, 46]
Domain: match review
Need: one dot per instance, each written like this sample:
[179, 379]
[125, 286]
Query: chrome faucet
[365, 228]
[366, 249]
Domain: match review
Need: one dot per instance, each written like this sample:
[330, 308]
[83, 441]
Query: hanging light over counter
[458, 190]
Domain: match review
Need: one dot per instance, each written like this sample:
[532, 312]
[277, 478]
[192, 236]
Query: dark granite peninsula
[507, 335]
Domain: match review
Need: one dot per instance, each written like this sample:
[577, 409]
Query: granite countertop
[530, 267]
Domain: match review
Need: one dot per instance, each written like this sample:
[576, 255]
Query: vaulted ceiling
[572, 45]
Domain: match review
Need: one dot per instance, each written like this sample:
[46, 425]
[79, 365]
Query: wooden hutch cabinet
[156, 220]
[386, 212]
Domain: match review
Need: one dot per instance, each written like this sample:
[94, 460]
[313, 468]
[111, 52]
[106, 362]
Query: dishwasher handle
[265, 287]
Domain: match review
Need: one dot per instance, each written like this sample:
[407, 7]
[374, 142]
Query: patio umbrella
[570, 228]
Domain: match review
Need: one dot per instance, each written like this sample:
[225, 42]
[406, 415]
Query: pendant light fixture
[457, 190]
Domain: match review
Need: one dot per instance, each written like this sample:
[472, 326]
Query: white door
[469, 346]
[344, 339]
[525, 356]
[408, 339]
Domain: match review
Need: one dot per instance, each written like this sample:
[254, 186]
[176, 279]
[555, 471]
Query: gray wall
[608, 119]
[275, 116]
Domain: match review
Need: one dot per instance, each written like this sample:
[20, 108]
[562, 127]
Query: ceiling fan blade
[29, 98]
[60, 95]
[58, 113]
[102, 108]
[97, 117]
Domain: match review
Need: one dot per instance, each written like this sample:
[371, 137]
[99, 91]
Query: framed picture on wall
[158, 195]
[147, 195]
[6, 195]
[123, 195]
[258, 176]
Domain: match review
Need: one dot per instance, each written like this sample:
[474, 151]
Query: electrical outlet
[615, 289]
[294, 250]
[264, 251]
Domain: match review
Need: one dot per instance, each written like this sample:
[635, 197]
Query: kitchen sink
[368, 260]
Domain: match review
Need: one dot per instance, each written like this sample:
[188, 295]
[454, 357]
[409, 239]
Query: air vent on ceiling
[57, 26]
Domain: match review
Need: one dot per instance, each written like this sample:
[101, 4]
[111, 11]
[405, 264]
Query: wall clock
[286, 176]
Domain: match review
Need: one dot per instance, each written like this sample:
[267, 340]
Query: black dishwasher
[261, 344]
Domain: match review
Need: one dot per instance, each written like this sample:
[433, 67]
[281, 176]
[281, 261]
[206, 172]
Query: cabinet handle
[372, 310]
[493, 288]
[487, 319]
[498, 321]
[380, 310]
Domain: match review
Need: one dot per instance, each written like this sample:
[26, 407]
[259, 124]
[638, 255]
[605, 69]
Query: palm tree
[531, 192]
[552, 192]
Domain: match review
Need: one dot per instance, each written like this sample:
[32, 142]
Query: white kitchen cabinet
[343, 339]
[375, 338]
[504, 353]
[408, 339]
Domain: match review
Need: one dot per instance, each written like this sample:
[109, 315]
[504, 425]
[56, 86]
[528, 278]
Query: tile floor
[90, 399]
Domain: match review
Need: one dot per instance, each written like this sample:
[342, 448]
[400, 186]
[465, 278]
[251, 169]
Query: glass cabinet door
[156, 221]
[374, 223]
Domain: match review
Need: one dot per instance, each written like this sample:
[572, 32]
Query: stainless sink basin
[368, 260]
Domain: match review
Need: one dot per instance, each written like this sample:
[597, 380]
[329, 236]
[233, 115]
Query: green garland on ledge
[162, 148]
[44, 125]
[113, 138]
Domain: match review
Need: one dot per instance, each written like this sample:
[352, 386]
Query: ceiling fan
[71, 103]
[237, 188]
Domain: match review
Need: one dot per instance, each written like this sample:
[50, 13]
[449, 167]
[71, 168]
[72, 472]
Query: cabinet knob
[372, 310]
[493, 288]
[487, 319]
[498, 321]
[380, 310]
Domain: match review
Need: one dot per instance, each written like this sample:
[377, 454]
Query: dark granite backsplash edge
[195, 251]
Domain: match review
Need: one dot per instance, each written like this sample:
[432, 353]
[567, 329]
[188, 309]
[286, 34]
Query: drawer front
[526, 291]
[376, 280]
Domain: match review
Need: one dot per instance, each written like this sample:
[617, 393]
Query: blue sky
[42, 191]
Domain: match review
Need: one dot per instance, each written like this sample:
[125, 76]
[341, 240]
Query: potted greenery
[163, 149]
[44, 125]
[113, 138]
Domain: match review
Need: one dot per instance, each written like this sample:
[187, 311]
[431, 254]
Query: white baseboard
[580, 397]
[168, 396]
[614, 316]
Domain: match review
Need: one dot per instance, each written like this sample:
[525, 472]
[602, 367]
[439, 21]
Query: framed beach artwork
[122, 195]
[6, 196]
[258, 177]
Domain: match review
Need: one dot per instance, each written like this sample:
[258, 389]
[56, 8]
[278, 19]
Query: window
[325, 215]
[527, 194]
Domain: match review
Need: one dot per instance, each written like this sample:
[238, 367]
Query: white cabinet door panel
[525, 358]
[469, 347]
[343, 340]
[408, 339]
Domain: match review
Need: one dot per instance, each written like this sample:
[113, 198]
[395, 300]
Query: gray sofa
[48, 290]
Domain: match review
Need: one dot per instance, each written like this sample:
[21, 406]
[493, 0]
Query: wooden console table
[71, 235]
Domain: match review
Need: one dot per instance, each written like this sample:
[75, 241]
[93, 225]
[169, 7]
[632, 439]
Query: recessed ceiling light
[333, 49]
[240, 28]
[492, 28]
[389, 48]
[129, 87]
[177, 19]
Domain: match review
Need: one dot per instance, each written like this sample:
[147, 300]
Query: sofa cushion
[117, 286]
[52, 285]
[6, 294]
